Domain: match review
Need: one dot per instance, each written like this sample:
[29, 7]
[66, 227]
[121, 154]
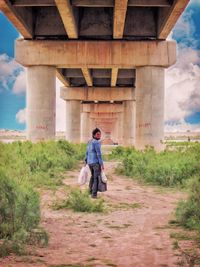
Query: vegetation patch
[81, 201]
[124, 206]
[109, 263]
[24, 167]
[167, 168]
[181, 236]
[188, 211]
[70, 265]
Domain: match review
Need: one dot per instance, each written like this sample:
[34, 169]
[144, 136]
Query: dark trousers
[95, 172]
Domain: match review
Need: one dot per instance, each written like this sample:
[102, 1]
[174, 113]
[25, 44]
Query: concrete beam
[98, 93]
[149, 3]
[87, 76]
[126, 74]
[103, 115]
[101, 73]
[119, 18]
[22, 19]
[103, 108]
[114, 77]
[168, 17]
[105, 120]
[62, 78]
[32, 3]
[110, 3]
[93, 3]
[96, 54]
[66, 13]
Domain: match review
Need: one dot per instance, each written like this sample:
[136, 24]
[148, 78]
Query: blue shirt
[93, 153]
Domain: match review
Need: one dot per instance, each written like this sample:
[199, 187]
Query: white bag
[83, 175]
[103, 177]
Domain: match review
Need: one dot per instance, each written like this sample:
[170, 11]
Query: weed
[92, 259]
[126, 206]
[109, 263]
[188, 212]
[167, 168]
[180, 236]
[25, 166]
[106, 237]
[175, 245]
[80, 201]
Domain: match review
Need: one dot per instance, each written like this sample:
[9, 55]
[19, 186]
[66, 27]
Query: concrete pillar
[93, 125]
[114, 132]
[85, 127]
[149, 107]
[120, 125]
[41, 102]
[129, 123]
[73, 120]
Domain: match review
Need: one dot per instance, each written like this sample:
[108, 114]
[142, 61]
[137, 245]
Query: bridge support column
[85, 127]
[117, 132]
[114, 133]
[120, 123]
[129, 123]
[149, 107]
[73, 120]
[93, 125]
[41, 99]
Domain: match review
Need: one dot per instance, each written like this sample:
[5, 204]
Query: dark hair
[96, 130]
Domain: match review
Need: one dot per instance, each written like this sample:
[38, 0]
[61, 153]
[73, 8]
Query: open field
[12, 135]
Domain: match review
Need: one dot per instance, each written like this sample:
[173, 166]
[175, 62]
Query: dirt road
[134, 233]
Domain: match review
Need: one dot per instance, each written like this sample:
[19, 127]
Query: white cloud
[21, 116]
[196, 2]
[11, 74]
[20, 83]
[182, 94]
[182, 83]
[8, 65]
[9, 69]
[185, 29]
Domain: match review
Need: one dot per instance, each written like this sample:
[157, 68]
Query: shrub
[42, 163]
[19, 213]
[81, 202]
[25, 166]
[19, 206]
[188, 211]
[168, 168]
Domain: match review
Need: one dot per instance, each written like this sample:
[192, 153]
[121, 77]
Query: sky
[182, 80]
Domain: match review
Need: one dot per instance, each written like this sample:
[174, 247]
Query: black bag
[102, 187]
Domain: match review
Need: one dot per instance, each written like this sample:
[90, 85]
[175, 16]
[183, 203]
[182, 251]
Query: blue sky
[182, 86]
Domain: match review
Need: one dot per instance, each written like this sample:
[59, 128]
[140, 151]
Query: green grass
[126, 206]
[80, 201]
[175, 245]
[180, 236]
[24, 167]
[167, 168]
[188, 211]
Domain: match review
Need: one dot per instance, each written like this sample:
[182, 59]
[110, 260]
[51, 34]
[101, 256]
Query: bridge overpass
[111, 57]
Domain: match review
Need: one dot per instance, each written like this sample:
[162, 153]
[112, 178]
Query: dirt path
[125, 237]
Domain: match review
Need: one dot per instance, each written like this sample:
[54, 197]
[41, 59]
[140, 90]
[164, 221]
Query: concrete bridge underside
[111, 57]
